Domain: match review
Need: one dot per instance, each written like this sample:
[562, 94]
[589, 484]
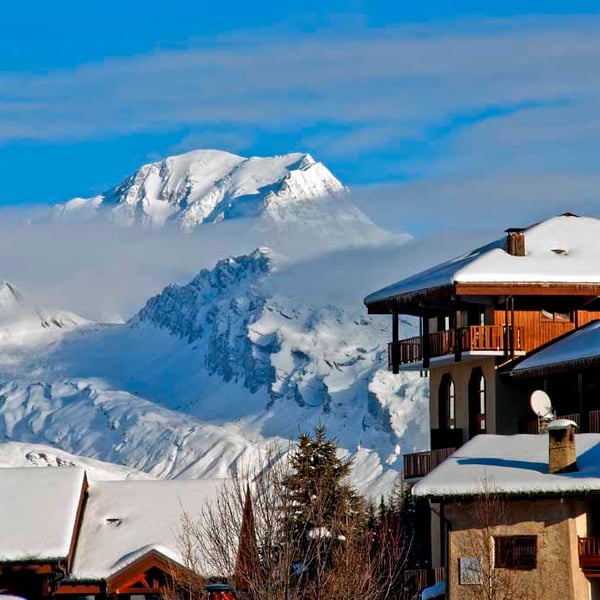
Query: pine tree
[321, 504]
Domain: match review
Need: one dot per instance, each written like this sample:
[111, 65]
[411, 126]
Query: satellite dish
[541, 405]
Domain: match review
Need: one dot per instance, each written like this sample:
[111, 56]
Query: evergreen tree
[321, 505]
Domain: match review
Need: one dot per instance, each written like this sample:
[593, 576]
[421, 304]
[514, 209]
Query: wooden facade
[471, 327]
[508, 335]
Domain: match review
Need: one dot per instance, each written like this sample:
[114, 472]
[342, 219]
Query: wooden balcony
[476, 338]
[420, 464]
[589, 553]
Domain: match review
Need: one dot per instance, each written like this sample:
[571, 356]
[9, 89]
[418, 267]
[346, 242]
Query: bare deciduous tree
[320, 556]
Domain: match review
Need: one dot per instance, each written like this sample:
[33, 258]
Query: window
[548, 315]
[447, 403]
[482, 403]
[451, 406]
[515, 552]
[477, 403]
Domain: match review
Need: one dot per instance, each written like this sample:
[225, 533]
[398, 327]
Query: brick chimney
[562, 455]
[515, 241]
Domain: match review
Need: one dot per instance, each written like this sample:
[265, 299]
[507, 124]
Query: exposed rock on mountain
[208, 186]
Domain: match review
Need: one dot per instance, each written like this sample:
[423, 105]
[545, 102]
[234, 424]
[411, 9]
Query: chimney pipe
[562, 455]
[515, 241]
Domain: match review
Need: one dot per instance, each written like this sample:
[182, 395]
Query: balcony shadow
[526, 465]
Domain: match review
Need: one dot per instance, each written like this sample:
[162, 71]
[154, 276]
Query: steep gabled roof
[562, 250]
[39, 508]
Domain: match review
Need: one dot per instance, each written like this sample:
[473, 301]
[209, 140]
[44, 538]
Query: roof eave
[410, 303]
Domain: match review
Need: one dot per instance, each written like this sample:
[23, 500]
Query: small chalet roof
[38, 512]
[561, 250]
[577, 348]
[512, 464]
[125, 520]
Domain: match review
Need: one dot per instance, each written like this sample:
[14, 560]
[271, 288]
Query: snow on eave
[434, 278]
[577, 237]
[120, 526]
[39, 527]
[579, 348]
[512, 465]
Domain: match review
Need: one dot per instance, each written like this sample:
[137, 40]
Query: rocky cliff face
[210, 372]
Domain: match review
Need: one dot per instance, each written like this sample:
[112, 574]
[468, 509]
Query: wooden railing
[589, 552]
[452, 341]
[420, 464]
[477, 338]
[576, 417]
[594, 421]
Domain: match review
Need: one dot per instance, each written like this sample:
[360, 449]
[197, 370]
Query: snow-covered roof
[38, 512]
[577, 346]
[560, 250]
[124, 520]
[512, 464]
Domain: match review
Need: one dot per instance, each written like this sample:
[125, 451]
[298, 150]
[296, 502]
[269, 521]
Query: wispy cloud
[405, 78]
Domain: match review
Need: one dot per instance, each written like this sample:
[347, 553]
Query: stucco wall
[461, 373]
[555, 522]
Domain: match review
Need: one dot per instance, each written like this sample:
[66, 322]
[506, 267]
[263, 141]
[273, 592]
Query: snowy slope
[19, 454]
[208, 186]
[209, 373]
[19, 319]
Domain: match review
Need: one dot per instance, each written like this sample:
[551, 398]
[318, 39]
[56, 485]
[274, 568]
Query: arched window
[447, 403]
[477, 403]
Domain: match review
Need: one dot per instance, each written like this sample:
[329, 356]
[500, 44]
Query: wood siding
[528, 329]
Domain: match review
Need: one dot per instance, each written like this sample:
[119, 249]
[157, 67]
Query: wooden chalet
[483, 311]
[63, 537]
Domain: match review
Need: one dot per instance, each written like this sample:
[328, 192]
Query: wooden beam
[528, 289]
[426, 339]
[79, 588]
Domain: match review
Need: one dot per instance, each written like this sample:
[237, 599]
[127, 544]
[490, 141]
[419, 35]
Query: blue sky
[449, 102]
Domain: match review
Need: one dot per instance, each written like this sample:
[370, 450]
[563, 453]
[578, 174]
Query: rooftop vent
[560, 251]
[114, 521]
[515, 241]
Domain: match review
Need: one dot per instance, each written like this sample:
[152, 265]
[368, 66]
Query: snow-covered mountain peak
[208, 186]
[19, 319]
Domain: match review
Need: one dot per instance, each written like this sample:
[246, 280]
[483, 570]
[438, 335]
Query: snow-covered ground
[208, 374]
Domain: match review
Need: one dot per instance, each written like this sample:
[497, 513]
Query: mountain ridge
[210, 372]
[203, 186]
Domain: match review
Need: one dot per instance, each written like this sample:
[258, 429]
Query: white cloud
[409, 78]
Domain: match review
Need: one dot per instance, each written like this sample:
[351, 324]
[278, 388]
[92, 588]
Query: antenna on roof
[541, 405]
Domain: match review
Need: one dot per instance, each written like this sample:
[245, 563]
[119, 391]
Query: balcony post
[505, 326]
[426, 339]
[512, 326]
[458, 342]
[395, 345]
